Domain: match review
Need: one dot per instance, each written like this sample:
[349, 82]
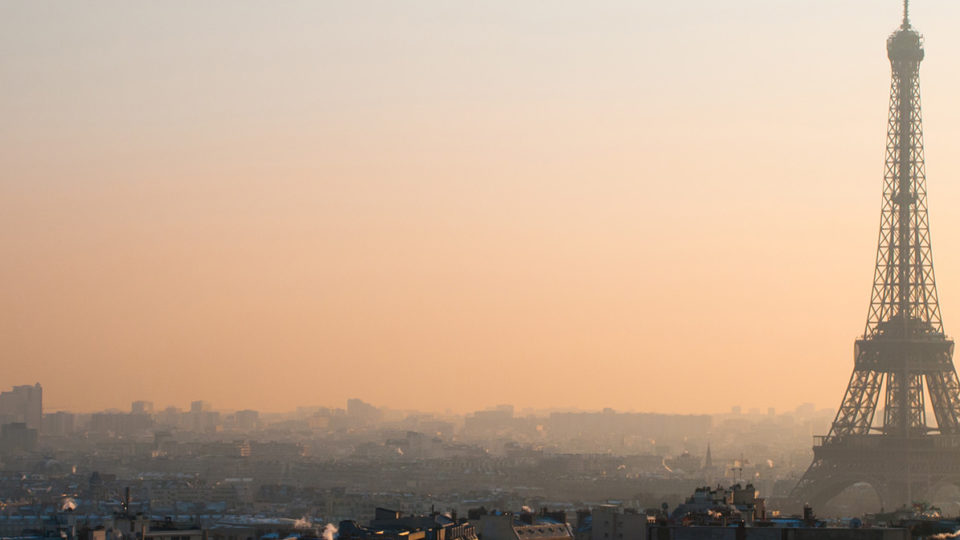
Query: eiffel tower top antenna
[906, 14]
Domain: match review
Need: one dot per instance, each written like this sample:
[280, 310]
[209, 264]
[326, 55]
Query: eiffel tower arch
[903, 357]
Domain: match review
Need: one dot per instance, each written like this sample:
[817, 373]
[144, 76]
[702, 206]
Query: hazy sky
[647, 205]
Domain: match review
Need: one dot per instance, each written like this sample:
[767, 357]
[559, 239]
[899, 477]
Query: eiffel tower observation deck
[904, 355]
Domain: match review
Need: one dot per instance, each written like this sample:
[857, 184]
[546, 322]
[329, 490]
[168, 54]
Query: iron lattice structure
[903, 354]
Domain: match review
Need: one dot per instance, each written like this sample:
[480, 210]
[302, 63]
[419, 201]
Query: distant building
[685, 462]
[393, 525]
[610, 522]
[199, 406]
[141, 407]
[202, 419]
[247, 420]
[22, 404]
[17, 438]
[120, 423]
[713, 506]
[361, 412]
[58, 424]
[488, 422]
[170, 417]
[525, 526]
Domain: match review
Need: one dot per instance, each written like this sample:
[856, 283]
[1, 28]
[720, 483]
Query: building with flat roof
[22, 404]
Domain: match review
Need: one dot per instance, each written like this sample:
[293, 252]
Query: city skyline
[554, 207]
[159, 406]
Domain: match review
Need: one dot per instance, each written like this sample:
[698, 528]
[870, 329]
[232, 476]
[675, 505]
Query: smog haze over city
[431, 270]
[556, 204]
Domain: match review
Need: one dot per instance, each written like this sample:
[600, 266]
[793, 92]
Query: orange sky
[651, 206]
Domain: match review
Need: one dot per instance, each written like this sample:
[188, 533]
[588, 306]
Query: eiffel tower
[903, 354]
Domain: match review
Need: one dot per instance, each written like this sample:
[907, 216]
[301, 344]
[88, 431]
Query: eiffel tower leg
[903, 492]
[859, 403]
[945, 399]
[827, 478]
